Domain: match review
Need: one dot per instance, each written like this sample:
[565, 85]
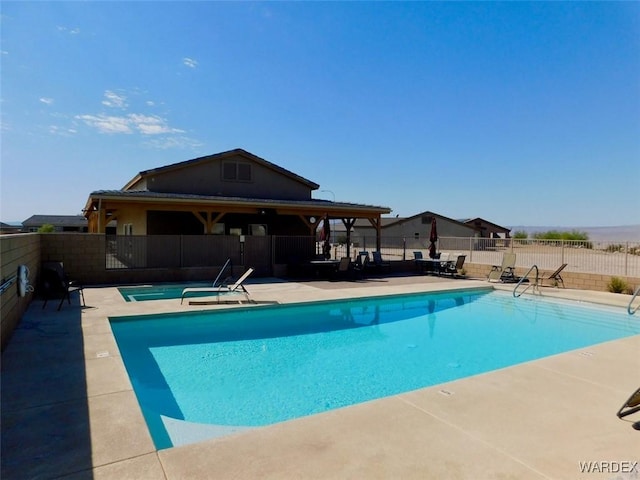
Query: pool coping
[443, 431]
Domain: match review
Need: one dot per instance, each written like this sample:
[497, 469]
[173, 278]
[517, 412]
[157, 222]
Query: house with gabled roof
[60, 223]
[228, 193]
[487, 229]
[414, 230]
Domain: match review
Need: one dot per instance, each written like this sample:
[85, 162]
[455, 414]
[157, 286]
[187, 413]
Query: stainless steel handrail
[526, 276]
[631, 312]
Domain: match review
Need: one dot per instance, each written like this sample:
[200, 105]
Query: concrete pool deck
[68, 409]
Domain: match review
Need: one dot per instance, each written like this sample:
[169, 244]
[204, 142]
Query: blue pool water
[160, 292]
[204, 374]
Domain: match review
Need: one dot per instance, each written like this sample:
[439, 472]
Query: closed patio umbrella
[325, 236]
[433, 238]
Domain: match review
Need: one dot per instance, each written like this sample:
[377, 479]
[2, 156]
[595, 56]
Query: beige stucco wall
[135, 215]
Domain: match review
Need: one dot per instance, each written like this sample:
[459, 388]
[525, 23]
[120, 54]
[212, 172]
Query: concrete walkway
[68, 409]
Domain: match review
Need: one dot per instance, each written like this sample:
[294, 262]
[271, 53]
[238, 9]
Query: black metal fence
[184, 251]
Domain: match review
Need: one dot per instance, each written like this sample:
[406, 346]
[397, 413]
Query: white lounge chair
[236, 288]
[222, 290]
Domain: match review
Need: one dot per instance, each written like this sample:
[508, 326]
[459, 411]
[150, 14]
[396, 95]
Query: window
[236, 172]
[257, 229]
[218, 229]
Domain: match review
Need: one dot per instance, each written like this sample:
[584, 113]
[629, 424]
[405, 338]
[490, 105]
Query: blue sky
[520, 113]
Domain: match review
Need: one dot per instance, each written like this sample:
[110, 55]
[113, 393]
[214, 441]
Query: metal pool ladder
[526, 277]
[634, 310]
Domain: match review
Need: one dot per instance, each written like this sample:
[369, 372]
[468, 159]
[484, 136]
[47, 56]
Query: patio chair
[632, 405]
[223, 290]
[56, 282]
[378, 263]
[361, 263]
[555, 277]
[344, 267]
[504, 272]
[453, 268]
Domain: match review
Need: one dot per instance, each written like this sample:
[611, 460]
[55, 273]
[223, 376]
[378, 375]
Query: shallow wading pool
[201, 375]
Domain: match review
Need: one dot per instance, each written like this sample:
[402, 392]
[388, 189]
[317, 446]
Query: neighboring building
[487, 229]
[6, 228]
[61, 223]
[229, 193]
[413, 231]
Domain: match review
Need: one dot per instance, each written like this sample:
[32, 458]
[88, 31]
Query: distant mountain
[624, 233]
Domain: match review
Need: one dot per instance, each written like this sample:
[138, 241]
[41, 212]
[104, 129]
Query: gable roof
[238, 152]
[56, 221]
[495, 226]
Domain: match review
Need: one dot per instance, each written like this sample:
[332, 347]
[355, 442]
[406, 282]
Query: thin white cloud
[114, 100]
[47, 101]
[175, 141]
[70, 31]
[189, 62]
[151, 124]
[144, 124]
[65, 132]
[106, 123]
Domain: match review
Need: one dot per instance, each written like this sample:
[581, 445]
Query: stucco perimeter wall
[16, 250]
[576, 280]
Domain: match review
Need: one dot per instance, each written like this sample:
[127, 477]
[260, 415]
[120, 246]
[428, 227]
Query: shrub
[46, 228]
[617, 285]
[520, 235]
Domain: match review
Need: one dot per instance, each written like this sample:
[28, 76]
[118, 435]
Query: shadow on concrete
[45, 413]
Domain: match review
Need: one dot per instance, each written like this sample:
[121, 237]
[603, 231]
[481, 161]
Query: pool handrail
[632, 311]
[525, 277]
[224, 267]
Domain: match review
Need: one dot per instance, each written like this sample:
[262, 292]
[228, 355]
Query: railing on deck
[179, 251]
[606, 258]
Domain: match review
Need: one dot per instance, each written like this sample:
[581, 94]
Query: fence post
[626, 258]
[471, 249]
[562, 251]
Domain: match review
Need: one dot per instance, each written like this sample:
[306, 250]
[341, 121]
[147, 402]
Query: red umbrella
[433, 238]
[325, 235]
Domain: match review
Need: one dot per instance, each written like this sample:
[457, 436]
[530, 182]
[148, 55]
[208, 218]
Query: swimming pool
[205, 374]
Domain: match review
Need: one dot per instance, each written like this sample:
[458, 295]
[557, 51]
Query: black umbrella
[433, 238]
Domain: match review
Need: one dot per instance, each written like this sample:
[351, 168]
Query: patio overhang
[103, 207]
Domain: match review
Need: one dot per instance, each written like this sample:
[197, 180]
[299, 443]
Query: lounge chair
[632, 405]
[555, 277]
[56, 282]
[223, 290]
[213, 285]
[506, 271]
[453, 268]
